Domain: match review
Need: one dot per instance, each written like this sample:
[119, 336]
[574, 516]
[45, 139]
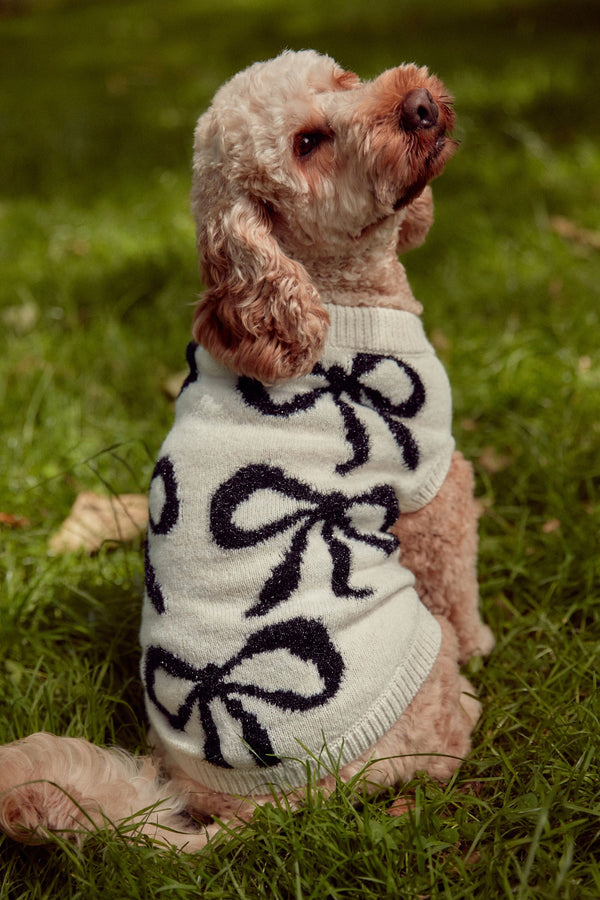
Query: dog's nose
[419, 110]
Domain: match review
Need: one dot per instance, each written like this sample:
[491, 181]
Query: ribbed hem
[436, 479]
[377, 721]
[376, 329]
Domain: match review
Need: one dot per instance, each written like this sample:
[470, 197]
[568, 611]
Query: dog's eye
[307, 142]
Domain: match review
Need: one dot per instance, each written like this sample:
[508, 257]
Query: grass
[98, 275]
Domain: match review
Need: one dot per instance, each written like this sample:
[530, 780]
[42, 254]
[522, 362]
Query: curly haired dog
[281, 627]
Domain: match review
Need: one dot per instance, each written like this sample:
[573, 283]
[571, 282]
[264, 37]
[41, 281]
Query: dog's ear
[418, 221]
[260, 315]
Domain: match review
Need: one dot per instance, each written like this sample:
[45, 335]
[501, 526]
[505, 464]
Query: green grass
[98, 277]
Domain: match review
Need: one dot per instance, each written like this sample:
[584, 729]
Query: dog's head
[297, 159]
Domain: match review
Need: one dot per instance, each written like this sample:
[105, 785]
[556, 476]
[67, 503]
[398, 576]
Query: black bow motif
[165, 470]
[153, 588]
[190, 355]
[330, 512]
[169, 514]
[341, 383]
[305, 639]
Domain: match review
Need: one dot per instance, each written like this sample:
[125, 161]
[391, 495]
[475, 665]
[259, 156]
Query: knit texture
[277, 617]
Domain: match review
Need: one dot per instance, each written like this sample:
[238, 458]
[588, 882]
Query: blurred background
[98, 100]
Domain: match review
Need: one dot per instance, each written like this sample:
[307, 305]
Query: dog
[311, 585]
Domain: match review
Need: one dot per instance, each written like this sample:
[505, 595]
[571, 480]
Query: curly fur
[307, 184]
[275, 231]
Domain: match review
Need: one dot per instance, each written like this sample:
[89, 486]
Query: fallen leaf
[494, 462]
[550, 526]
[400, 806]
[173, 383]
[572, 232]
[439, 340]
[95, 520]
[22, 318]
[12, 521]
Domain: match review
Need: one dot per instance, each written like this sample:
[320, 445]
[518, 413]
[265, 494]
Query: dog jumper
[277, 618]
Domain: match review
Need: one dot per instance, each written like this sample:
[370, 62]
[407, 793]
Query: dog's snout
[419, 110]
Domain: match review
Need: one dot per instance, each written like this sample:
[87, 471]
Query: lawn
[97, 282]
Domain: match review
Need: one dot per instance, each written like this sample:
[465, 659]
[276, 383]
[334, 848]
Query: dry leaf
[439, 340]
[550, 526]
[22, 318]
[494, 462]
[572, 232]
[95, 519]
[12, 521]
[173, 383]
[400, 806]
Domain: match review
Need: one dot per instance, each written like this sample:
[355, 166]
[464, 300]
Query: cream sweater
[277, 617]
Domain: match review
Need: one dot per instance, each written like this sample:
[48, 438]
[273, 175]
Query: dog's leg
[439, 546]
[69, 787]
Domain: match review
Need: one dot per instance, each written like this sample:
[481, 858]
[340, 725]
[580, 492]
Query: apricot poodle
[311, 558]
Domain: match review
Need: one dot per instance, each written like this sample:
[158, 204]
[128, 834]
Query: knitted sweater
[277, 618]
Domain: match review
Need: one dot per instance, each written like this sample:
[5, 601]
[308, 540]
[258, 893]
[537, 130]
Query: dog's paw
[484, 642]
[479, 642]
